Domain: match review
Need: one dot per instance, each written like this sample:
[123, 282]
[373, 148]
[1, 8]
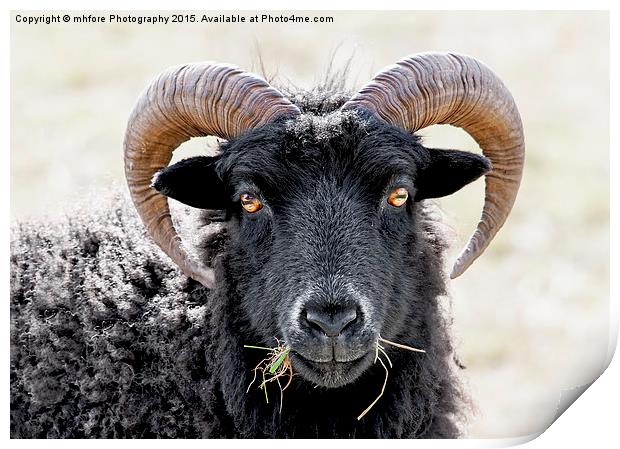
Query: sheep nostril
[331, 324]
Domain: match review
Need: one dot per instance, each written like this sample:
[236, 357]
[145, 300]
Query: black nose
[331, 323]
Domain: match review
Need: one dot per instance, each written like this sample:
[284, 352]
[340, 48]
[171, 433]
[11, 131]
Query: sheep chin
[331, 374]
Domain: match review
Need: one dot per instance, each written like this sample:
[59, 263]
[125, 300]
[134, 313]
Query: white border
[591, 420]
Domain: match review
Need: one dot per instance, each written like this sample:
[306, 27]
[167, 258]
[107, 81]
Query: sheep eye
[250, 203]
[398, 197]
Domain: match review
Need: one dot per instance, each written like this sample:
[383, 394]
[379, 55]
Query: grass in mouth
[277, 365]
[379, 353]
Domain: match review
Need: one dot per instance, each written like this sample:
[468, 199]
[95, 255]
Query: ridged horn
[191, 100]
[437, 88]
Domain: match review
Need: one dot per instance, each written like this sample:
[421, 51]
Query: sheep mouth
[333, 373]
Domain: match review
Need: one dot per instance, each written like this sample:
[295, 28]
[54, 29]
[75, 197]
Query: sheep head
[322, 209]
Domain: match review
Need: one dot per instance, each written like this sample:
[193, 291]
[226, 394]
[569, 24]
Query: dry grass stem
[398, 345]
[380, 394]
[380, 351]
[385, 354]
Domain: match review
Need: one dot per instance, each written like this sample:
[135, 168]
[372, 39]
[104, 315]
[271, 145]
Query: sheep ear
[193, 181]
[447, 171]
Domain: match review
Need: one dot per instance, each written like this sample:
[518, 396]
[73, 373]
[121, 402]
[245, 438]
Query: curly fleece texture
[109, 340]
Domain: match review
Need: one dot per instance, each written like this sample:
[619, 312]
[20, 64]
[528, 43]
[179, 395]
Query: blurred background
[531, 316]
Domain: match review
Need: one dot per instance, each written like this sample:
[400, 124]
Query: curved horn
[435, 88]
[192, 100]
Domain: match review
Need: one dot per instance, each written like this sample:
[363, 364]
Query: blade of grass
[386, 356]
[398, 345]
[258, 347]
[380, 394]
[265, 387]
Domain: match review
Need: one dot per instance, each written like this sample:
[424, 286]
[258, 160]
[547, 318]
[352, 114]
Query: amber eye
[398, 197]
[250, 203]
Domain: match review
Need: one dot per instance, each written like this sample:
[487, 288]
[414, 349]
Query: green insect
[279, 361]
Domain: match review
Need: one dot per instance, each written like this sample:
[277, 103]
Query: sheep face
[322, 222]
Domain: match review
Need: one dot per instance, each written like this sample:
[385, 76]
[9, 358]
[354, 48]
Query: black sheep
[318, 233]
